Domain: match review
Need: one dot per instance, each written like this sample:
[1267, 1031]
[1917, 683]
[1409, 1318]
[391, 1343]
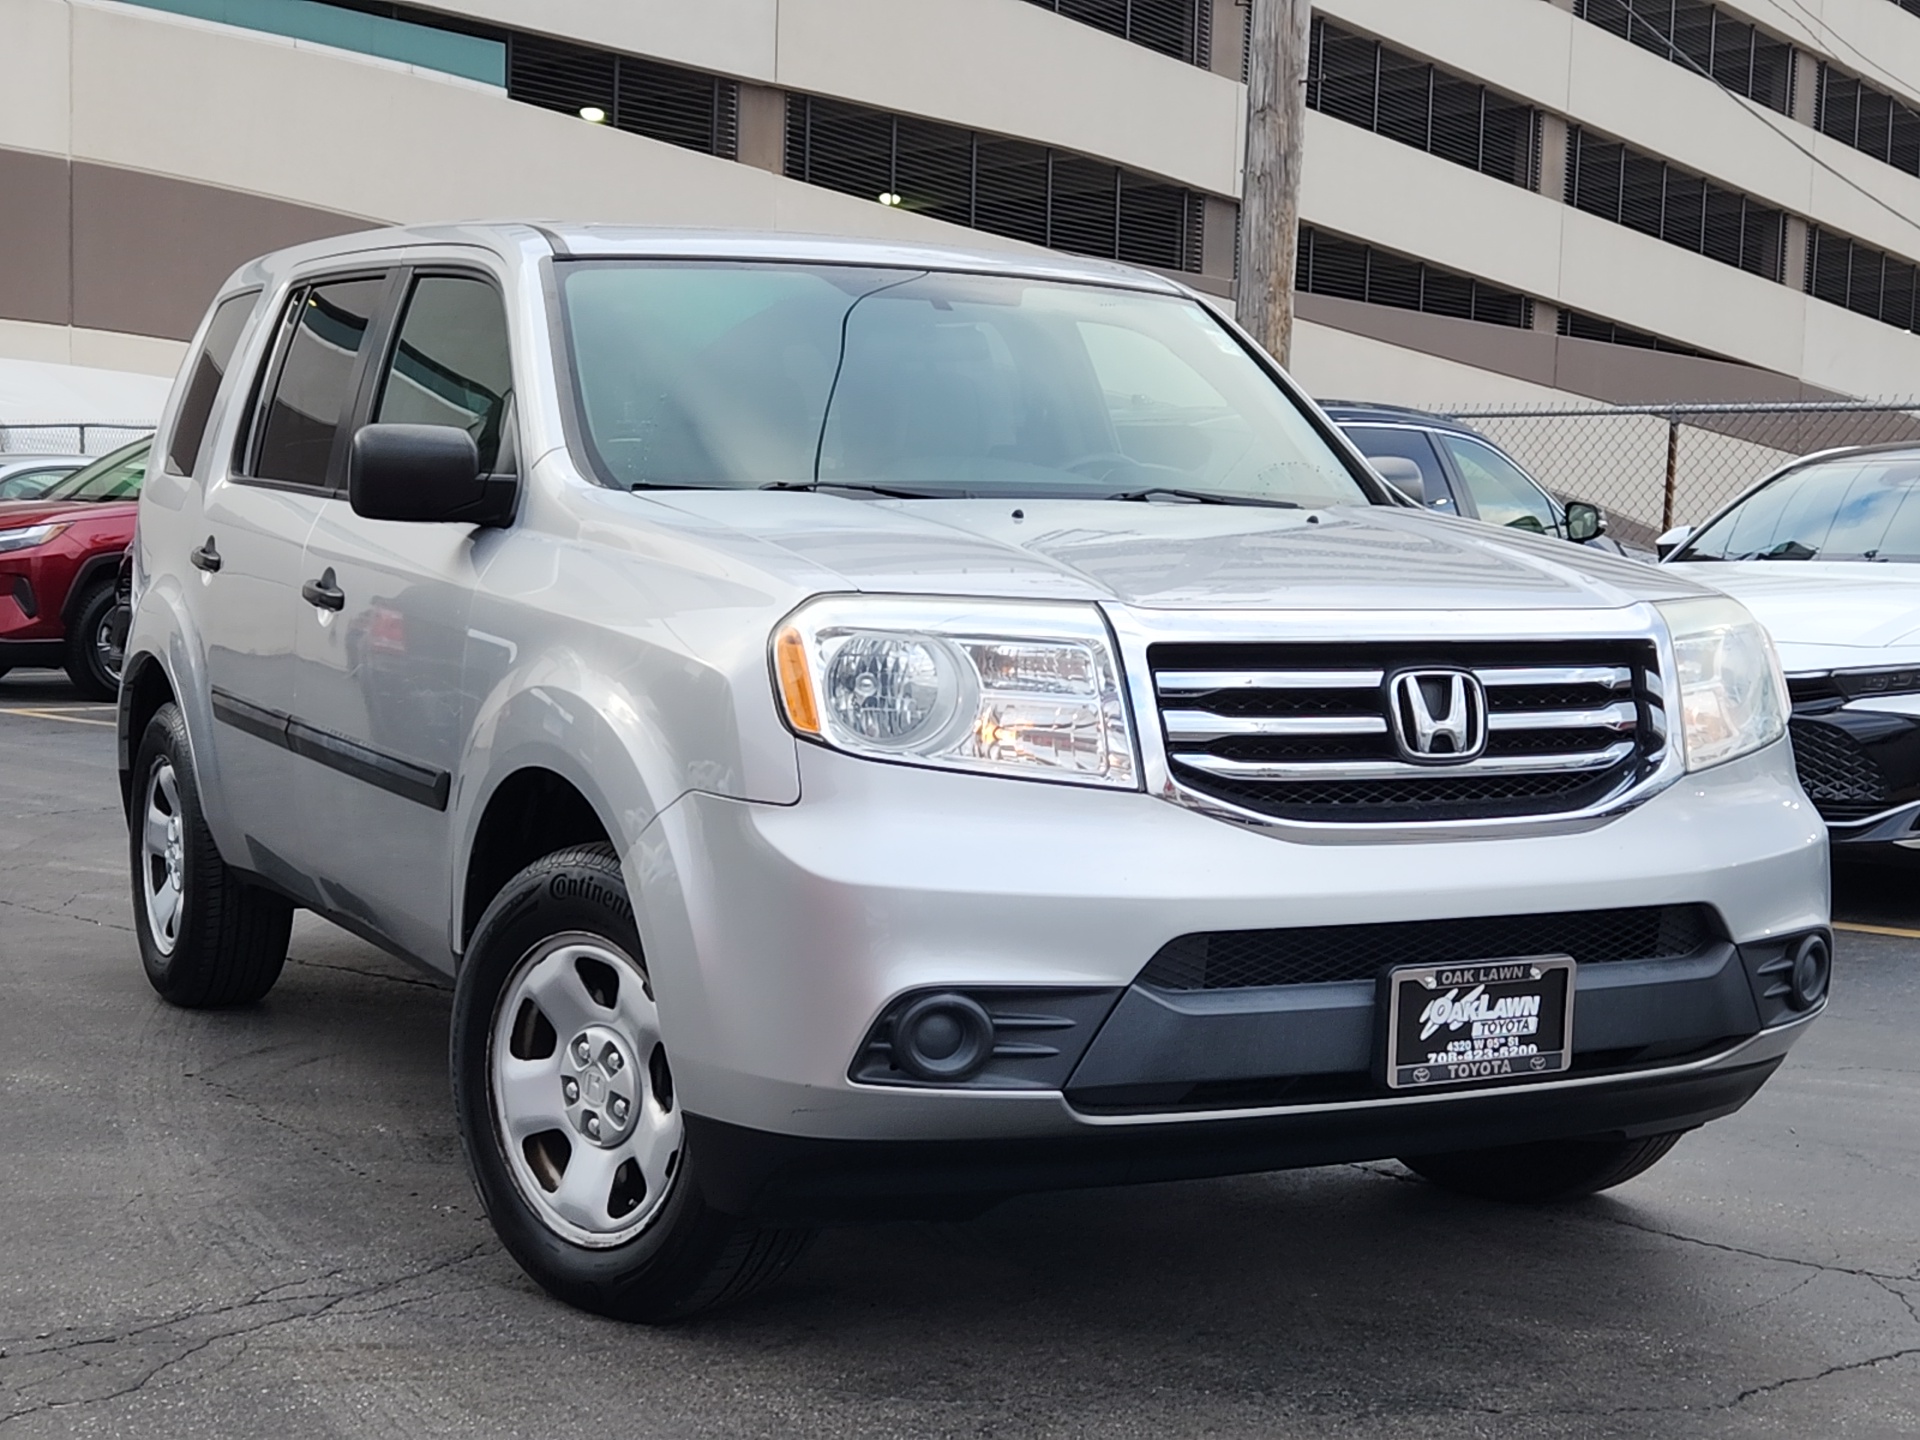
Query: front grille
[1839, 776]
[1321, 954]
[1304, 732]
[1814, 690]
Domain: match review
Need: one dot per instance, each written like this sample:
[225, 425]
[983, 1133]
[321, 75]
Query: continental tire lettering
[592, 890]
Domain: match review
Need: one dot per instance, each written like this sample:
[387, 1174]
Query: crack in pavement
[254, 1325]
[64, 914]
[419, 983]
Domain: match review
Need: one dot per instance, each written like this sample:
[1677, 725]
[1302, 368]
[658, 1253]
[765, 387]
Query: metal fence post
[1673, 474]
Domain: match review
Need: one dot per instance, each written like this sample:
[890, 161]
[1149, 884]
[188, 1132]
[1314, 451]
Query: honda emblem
[1438, 715]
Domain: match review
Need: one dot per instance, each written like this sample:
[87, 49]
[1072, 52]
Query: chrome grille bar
[1621, 716]
[1202, 725]
[1613, 677]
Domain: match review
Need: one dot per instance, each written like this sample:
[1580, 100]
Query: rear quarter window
[207, 370]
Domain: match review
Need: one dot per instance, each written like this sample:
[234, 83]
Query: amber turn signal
[796, 684]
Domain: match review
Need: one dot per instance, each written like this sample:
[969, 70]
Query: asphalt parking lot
[259, 1223]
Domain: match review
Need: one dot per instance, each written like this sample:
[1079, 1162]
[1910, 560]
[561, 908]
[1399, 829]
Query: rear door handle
[207, 557]
[324, 592]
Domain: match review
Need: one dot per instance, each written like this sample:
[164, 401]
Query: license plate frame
[1498, 1036]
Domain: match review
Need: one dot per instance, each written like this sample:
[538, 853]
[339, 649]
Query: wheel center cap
[599, 1084]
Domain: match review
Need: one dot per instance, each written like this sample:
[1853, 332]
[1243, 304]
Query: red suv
[59, 557]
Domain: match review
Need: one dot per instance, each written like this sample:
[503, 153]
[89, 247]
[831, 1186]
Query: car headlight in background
[1864, 684]
[28, 536]
[1000, 688]
[1733, 698]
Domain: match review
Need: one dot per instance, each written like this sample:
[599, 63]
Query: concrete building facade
[1505, 200]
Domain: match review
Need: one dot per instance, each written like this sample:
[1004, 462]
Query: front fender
[161, 634]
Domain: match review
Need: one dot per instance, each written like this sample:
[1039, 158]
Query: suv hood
[17, 513]
[1817, 604]
[1180, 555]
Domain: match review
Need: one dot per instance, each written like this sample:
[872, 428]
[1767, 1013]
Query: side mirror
[1672, 540]
[1402, 474]
[425, 473]
[1584, 522]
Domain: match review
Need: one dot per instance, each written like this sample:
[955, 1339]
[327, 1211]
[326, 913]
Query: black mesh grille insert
[1840, 777]
[1239, 959]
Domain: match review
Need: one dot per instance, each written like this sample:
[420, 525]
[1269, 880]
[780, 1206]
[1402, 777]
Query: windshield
[1863, 507]
[927, 384]
[113, 477]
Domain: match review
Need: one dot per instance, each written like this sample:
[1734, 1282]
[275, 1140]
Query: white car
[1826, 553]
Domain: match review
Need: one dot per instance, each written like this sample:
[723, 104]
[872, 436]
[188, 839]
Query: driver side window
[451, 365]
[1501, 493]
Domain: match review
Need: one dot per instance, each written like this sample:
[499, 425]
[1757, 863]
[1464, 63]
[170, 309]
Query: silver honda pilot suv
[874, 729]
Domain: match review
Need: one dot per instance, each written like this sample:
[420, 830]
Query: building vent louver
[1008, 187]
[1378, 88]
[663, 102]
[1348, 270]
[1180, 28]
[1705, 39]
[1644, 193]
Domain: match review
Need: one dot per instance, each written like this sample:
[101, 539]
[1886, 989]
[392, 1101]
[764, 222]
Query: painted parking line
[1877, 929]
[65, 716]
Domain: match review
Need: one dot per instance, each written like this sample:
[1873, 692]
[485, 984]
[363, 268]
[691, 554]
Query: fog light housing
[943, 1037]
[1812, 969]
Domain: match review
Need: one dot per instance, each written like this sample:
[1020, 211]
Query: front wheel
[1545, 1172]
[564, 1088]
[207, 937]
[94, 651]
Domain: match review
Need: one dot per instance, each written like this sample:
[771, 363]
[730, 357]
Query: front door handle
[207, 557]
[324, 592]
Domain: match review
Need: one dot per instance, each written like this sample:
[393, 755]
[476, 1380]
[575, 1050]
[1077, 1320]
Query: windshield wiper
[890, 491]
[1204, 497]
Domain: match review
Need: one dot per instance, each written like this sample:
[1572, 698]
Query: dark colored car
[1456, 470]
[28, 477]
[59, 564]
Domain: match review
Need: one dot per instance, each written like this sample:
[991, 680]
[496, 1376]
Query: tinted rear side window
[209, 368]
[312, 392]
[451, 364]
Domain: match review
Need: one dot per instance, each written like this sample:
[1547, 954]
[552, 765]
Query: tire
[1544, 1173]
[554, 963]
[92, 668]
[207, 937]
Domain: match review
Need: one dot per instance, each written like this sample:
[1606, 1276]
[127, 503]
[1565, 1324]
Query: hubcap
[582, 1098]
[110, 655]
[163, 855]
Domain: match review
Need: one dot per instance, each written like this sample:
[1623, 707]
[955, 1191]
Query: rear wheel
[207, 937]
[564, 1088]
[1544, 1172]
[93, 656]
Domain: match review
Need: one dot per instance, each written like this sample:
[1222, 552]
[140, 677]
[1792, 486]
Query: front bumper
[777, 935]
[797, 1178]
[1860, 764]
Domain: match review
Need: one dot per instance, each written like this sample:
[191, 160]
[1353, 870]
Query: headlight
[29, 536]
[1733, 698]
[1862, 684]
[1028, 690]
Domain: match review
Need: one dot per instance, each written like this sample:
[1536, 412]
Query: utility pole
[1270, 206]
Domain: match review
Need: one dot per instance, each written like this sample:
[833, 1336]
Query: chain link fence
[1652, 467]
[78, 438]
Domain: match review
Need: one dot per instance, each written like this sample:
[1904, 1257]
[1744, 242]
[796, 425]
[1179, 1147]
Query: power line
[1866, 61]
[1764, 118]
